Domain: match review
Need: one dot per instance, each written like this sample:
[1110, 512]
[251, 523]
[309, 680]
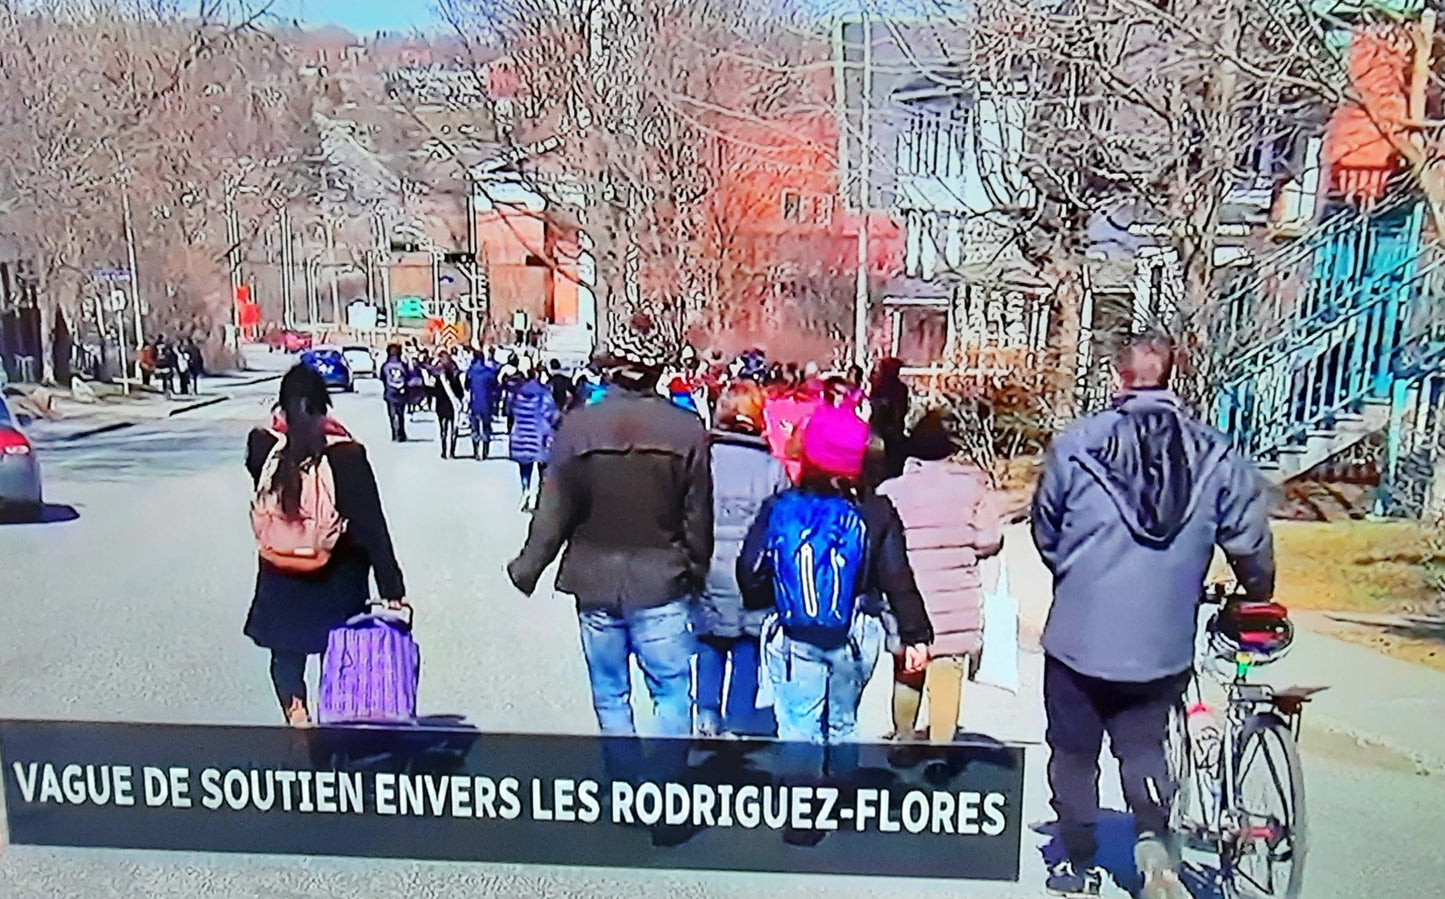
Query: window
[792, 206]
[823, 209]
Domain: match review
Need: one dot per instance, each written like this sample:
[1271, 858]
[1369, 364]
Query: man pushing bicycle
[1131, 504]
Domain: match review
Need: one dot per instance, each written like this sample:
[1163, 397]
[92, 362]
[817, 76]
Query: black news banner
[452, 793]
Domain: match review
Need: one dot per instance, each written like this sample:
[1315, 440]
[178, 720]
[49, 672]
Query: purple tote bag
[370, 672]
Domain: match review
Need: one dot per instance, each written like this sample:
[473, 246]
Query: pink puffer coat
[952, 520]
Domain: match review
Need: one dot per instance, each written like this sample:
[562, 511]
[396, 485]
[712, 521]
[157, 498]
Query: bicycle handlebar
[1219, 592]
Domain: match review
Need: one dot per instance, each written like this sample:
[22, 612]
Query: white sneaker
[1159, 870]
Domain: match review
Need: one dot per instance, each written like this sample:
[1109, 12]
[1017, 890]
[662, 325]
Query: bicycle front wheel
[1267, 852]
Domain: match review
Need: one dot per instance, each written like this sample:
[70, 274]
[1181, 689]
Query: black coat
[629, 493]
[296, 613]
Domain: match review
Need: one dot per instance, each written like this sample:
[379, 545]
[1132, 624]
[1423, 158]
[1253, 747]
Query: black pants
[185, 378]
[396, 411]
[526, 470]
[481, 434]
[288, 675]
[447, 422]
[1080, 710]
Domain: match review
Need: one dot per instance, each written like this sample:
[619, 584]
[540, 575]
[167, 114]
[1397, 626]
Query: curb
[194, 406]
[276, 376]
[103, 429]
[1425, 764]
[122, 425]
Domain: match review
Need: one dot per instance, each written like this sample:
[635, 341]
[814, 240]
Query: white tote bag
[999, 666]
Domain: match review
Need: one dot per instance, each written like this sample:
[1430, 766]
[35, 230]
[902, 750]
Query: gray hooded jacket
[744, 475]
[1130, 507]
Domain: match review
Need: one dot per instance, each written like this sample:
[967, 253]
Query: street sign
[113, 274]
[361, 315]
[410, 307]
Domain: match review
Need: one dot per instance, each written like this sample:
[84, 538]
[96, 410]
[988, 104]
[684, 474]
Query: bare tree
[635, 100]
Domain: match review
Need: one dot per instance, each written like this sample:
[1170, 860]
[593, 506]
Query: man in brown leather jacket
[629, 494]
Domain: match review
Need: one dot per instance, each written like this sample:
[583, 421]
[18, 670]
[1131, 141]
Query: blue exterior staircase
[1319, 348]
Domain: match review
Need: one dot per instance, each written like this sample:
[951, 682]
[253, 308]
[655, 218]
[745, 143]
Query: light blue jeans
[816, 691]
[661, 639]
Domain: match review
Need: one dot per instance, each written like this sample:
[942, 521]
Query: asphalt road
[133, 611]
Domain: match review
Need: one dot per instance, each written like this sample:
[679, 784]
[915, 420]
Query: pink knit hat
[835, 441]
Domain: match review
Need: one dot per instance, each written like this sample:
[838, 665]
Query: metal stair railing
[1334, 352]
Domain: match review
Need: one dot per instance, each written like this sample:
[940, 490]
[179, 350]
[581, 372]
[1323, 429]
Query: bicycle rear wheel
[1267, 855]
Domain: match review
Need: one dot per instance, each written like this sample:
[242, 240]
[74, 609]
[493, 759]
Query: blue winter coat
[534, 422]
[483, 392]
[744, 475]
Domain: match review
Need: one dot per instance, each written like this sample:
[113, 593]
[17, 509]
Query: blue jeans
[662, 641]
[716, 656]
[816, 691]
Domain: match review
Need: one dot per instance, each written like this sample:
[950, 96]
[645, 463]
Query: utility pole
[860, 296]
[288, 311]
[309, 274]
[135, 273]
[331, 259]
[473, 251]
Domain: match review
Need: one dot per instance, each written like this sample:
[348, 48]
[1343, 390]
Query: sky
[363, 17]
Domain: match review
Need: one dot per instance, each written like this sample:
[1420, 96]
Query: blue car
[330, 363]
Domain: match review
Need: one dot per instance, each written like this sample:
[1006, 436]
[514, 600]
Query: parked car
[331, 365]
[19, 469]
[289, 341]
[362, 361]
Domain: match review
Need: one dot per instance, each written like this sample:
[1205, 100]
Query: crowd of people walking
[756, 537]
[175, 365]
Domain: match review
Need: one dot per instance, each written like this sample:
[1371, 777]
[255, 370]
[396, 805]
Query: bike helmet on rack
[1262, 629]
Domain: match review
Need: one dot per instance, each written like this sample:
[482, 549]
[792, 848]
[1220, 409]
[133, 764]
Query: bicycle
[1241, 788]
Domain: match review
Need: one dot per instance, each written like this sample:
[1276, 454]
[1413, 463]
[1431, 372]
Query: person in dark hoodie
[393, 385]
[483, 397]
[1130, 507]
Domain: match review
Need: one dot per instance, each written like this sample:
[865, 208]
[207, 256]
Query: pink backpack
[303, 544]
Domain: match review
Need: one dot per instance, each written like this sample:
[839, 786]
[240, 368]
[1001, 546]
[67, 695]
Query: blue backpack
[818, 545]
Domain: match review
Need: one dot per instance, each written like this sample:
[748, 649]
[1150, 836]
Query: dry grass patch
[1354, 566]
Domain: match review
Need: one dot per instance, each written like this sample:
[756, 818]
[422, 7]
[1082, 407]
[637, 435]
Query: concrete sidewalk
[1376, 700]
[1379, 702]
[75, 421]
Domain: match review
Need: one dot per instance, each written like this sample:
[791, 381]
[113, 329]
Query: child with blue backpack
[825, 557]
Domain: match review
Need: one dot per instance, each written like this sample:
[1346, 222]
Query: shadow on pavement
[1115, 833]
[48, 513]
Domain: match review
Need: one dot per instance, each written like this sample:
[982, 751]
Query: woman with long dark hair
[446, 393]
[292, 614]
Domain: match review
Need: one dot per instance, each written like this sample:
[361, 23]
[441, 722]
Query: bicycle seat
[1262, 629]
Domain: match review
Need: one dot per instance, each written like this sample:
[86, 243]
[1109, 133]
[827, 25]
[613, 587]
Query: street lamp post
[331, 258]
[288, 311]
[123, 177]
[860, 298]
[133, 279]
